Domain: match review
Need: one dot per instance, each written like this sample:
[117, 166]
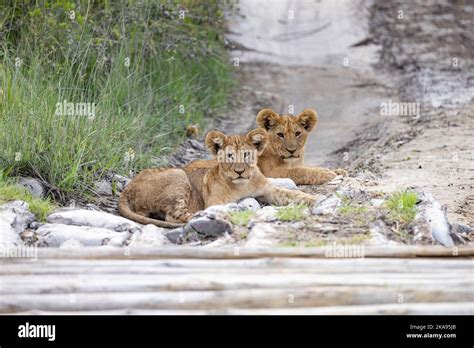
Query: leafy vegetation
[401, 206]
[149, 68]
[292, 212]
[240, 218]
[10, 191]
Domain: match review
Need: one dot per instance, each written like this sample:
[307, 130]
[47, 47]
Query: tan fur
[283, 156]
[177, 193]
[192, 131]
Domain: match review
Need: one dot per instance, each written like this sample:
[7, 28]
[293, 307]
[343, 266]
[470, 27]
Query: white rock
[15, 217]
[103, 187]
[377, 237]
[284, 182]
[262, 235]
[34, 186]
[117, 241]
[267, 214]
[150, 235]
[222, 209]
[53, 235]
[121, 181]
[430, 210]
[8, 235]
[326, 206]
[82, 217]
[248, 204]
[377, 202]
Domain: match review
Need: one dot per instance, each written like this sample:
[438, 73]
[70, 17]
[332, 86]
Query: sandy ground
[433, 58]
[439, 160]
[345, 59]
[297, 50]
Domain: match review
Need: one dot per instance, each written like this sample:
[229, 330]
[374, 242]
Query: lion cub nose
[291, 151]
[239, 171]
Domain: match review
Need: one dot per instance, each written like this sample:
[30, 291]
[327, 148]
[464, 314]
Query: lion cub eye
[298, 133]
[230, 156]
[281, 135]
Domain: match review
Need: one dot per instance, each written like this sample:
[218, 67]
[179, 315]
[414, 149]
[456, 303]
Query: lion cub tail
[125, 211]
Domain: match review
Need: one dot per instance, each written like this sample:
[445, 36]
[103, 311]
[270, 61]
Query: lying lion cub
[174, 194]
[283, 156]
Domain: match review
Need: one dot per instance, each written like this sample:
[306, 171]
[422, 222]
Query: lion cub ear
[215, 141]
[267, 118]
[308, 119]
[258, 138]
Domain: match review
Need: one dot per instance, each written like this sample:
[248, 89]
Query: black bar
[242, 330]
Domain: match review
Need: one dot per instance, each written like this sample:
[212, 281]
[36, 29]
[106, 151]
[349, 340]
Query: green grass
[10, 191]
[292, 212]
[401, 206]
[240, 218]
[177, 74]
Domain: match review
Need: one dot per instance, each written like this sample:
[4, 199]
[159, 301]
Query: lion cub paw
[326, 175]
[305, 199]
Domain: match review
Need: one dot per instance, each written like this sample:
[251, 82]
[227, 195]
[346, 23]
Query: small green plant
[401, 206]
[292, 212]
[240, 218]
[10, 191]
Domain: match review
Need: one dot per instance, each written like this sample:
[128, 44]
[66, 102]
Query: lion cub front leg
[280, 196]
[313, 176]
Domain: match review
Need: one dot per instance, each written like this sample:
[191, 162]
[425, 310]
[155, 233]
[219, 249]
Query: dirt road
[301, 50]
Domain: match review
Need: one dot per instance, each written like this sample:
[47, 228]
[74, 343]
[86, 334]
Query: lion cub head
[237, 155]
[287, 134]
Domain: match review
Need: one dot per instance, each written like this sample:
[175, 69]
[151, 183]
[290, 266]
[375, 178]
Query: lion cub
[174, 194]
[283, 156]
